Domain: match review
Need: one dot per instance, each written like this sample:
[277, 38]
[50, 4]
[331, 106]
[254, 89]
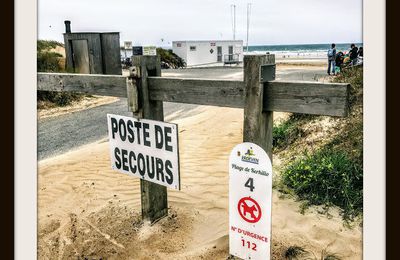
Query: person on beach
[331, 59]
[353, 53]
[360, 52]
[339, 61]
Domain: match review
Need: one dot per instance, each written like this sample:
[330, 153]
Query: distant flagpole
[234, 22]
[248, 24]
[233, 13]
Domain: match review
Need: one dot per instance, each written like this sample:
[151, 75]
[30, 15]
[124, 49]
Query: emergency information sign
[150, 50]
[250, 199]
[144, 148]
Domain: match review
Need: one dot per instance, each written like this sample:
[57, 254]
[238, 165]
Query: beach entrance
[258, 94]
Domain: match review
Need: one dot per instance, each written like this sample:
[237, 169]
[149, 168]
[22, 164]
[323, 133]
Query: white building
[205, 52]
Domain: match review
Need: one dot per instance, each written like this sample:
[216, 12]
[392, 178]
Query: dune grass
[332, 173]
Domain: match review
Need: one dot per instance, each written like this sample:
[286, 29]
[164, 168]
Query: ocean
[299, 50]
[309, 51]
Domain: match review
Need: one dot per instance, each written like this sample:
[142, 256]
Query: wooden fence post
[153, 196]
[257, 127]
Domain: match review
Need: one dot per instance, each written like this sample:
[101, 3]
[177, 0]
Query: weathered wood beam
[106, 85]
[154, 198]
[257, 123]
[329, 99]
[292, 96]
[225, 93]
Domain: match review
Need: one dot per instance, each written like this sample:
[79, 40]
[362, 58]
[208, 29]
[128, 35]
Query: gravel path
[60, 134]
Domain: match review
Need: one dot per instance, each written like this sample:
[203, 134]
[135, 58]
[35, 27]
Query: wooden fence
[258, 94]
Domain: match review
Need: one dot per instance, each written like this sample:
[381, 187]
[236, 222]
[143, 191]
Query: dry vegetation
[51, 58]
[321, 157]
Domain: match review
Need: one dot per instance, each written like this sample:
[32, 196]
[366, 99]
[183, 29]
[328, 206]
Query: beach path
[87, 210]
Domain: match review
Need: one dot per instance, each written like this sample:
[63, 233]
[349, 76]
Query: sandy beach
[88, 211]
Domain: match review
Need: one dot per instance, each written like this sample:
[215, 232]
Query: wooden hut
[92, 52]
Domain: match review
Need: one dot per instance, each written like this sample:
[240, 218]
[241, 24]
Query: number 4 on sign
[249, 184]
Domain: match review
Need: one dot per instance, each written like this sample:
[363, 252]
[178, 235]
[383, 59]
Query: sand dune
[88, 210]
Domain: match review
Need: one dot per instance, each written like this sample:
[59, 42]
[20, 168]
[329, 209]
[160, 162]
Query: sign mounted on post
[250, 200]
[149, 50]
[137, 50]
[145, 148]
[127, 45]
[144, 50]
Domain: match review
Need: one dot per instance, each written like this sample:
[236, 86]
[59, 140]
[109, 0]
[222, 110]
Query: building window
[192, 48]
[179, 44]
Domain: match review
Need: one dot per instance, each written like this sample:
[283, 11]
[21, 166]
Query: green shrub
[46, 45]
[285, 134]
[289, 131]
[298, 117]
[57, 98]
[49, 61]
[171, 59]
[353, 76]
[327, 177]
[333, 175]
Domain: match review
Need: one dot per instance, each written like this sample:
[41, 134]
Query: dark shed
[92, 52]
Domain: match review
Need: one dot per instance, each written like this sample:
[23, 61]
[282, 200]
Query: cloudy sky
[159, 22]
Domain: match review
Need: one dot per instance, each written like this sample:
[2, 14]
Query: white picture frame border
[25, 143]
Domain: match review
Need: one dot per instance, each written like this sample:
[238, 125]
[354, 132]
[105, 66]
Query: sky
[159, 22]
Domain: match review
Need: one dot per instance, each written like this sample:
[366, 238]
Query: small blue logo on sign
[249, 156]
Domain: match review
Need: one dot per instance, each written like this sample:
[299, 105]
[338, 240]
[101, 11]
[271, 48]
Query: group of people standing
[337, 59]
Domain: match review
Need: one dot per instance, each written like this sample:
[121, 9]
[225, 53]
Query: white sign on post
[250, 199]
[144, 148]
[127, 45]
[149, 50]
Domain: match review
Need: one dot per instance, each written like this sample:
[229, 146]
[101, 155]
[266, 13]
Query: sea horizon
[310, 50]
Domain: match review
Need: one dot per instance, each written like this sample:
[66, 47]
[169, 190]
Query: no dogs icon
[250, 201]
[249, 210]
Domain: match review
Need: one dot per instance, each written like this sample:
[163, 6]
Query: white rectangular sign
[144, 148]
[149, 50]
[127, 45]
[250, 199]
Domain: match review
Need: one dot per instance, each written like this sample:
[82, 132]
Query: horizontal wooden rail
[225, 93]
[291, 96]
[297, 97]
[330, 99]
[96, 84]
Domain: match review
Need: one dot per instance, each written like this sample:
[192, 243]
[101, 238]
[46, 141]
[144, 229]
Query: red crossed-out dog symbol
[249, 210]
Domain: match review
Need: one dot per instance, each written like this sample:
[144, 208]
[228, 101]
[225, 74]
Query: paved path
[60, 134]
[237, 73]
